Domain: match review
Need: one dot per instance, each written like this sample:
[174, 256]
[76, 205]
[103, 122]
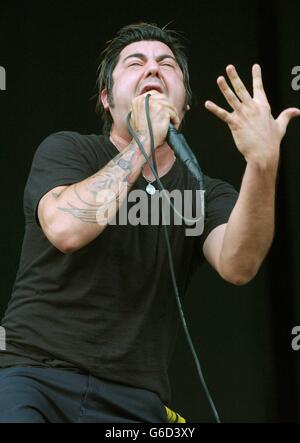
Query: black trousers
[43, 395]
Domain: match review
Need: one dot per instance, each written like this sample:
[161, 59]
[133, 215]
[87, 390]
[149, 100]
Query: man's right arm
[72, 216]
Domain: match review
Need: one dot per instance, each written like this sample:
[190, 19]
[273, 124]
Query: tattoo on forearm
[84, 201]
[104, 184]
[89, 215]
[85, 215]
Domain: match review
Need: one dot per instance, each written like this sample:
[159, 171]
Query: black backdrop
[242, 334]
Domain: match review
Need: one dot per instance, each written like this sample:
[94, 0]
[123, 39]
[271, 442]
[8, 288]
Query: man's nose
[152, 69]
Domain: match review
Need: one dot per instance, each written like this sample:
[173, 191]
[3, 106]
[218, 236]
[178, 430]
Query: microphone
[179, 144]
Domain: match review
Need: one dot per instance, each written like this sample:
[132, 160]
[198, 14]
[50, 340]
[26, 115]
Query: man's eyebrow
[163, 56]
[143, 57]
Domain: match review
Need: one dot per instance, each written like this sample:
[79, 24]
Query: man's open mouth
[151, 87]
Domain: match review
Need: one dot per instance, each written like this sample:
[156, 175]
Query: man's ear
[104, 99]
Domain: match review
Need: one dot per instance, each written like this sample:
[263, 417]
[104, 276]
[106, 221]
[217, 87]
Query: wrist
[264, 169]
[264, 160]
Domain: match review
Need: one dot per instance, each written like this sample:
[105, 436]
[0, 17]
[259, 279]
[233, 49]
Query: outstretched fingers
[237, 96]
[238, 85]
[231, 98]
[258, 87]
[218, 111]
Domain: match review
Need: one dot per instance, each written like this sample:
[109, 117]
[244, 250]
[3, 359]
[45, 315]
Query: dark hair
[125, 36]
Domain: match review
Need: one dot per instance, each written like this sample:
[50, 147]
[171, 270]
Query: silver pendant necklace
[150, 189]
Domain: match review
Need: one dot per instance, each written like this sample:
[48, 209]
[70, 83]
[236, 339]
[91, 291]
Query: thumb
[284, 118]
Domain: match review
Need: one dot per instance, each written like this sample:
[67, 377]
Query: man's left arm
[236, 249]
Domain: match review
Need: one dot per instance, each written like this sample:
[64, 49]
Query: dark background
[242, 334]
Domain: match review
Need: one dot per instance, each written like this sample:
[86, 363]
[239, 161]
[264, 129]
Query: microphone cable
[169, 251]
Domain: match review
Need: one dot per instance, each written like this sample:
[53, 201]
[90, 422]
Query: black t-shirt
[108, 309]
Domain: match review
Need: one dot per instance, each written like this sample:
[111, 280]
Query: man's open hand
[256, 133]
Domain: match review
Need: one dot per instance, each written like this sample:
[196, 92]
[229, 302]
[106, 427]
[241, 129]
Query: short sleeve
[220, 199]
[59, 160]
